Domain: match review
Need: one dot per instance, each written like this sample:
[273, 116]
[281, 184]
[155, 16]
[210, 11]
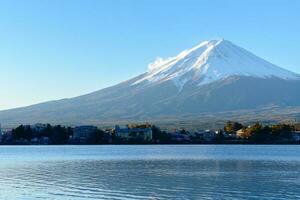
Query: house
[84, 134]
[0, 134]
[240, 133]
[40, 141]
[127, 133]
[6, 136]
[180, 137]
[207, 135]
[296, 136]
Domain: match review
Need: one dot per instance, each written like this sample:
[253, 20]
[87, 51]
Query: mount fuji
[212, 77]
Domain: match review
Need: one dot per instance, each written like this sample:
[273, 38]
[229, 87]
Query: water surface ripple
[150, 172]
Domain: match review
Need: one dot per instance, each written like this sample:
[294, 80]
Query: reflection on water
[150, 172]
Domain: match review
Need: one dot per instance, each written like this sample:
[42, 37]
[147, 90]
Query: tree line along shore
[232, 133]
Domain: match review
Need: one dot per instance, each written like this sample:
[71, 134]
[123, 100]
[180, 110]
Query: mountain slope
[211, 61]
[215, 76]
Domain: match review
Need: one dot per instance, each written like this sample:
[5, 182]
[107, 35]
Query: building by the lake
[0, 133]
[127, 133]
[84, 134]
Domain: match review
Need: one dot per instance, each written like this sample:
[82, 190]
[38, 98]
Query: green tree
[59, 135]
[22, 132]
[261, 134]
[159, 135]
[232, 127]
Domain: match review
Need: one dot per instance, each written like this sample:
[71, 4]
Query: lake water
[150, 172]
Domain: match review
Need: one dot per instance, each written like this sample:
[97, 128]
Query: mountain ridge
[210, 61]
[176, 87]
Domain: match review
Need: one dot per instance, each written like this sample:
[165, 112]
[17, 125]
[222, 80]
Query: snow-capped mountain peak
[211, 61]
[152, 95]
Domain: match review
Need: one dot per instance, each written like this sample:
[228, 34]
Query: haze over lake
[150, 172]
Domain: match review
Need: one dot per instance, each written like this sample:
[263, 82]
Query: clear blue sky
[51, 49]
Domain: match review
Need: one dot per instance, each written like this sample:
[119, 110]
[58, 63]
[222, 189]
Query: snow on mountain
[175, 88]
[211, 61]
